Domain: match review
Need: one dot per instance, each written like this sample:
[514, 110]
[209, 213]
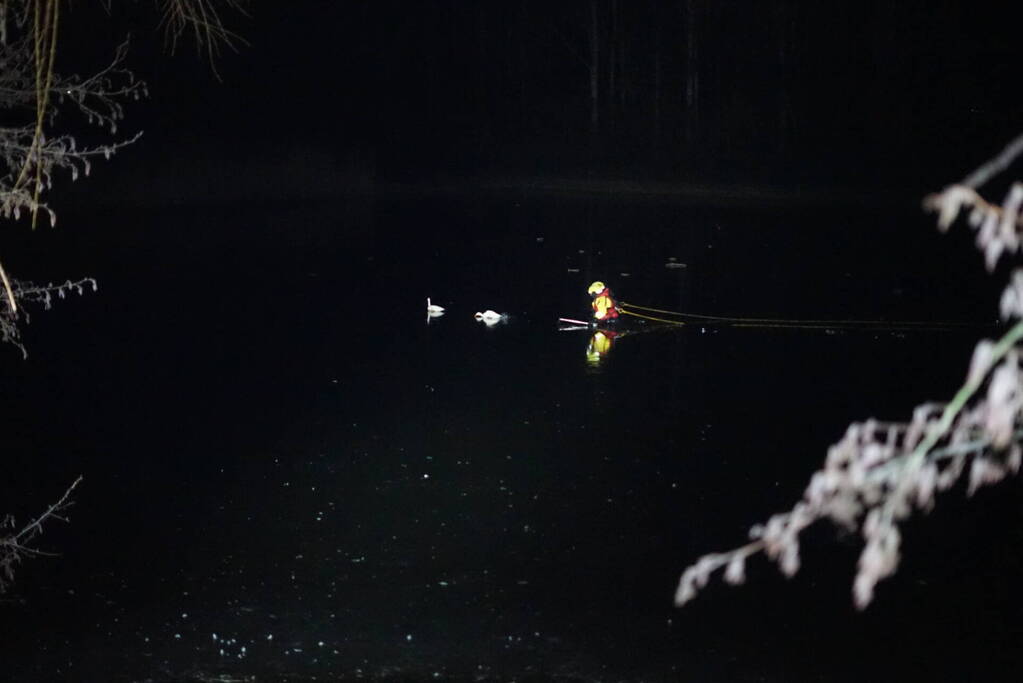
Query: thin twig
[35, 527]
[995, 166]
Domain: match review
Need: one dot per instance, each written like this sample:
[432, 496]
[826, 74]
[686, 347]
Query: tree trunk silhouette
[594, 70]
[612, 63]
[692, 100]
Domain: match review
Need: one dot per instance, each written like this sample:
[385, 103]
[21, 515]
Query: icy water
[291, 474]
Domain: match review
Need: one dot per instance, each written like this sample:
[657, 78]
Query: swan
[433, 308]
[489, 317]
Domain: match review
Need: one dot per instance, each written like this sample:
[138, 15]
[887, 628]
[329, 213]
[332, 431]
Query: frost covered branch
[34, 294]
[36, 144]
[30, 156]
[99, 97]
[881, 472]
[998, 227]
[15, 544]
[32, 96]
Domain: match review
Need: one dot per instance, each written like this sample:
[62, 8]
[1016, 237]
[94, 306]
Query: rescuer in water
[604, 309]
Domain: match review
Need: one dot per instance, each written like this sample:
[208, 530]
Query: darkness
[291, 475]
[870, 97]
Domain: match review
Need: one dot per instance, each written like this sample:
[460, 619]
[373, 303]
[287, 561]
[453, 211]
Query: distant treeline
[674, 88]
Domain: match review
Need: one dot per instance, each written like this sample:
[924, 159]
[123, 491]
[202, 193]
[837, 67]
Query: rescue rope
[648, 317]
[684, 318]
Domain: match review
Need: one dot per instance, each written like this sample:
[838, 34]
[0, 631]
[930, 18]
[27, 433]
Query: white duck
[489, 317]
[432, 308]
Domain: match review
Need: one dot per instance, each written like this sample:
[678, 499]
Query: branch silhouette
[881, 472]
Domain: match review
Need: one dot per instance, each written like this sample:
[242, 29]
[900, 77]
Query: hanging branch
[880, 473]
[40, 294]
[998, 227]
[202, 19]
[30, 157]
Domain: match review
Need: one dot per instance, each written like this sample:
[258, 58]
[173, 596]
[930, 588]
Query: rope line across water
[683, 318]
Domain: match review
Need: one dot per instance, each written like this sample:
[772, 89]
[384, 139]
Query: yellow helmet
[596, 288]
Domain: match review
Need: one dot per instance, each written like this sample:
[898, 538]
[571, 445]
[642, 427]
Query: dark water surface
[290, 475]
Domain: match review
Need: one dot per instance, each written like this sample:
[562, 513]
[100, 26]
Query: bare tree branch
[202, 19]
[881, 472]
[996, 165]
[15, 545]
[28, 292]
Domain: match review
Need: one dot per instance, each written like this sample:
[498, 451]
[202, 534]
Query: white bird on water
[433, 308]
[489, 317]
